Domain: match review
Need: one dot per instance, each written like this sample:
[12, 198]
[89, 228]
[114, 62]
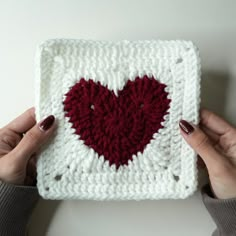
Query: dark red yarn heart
[117, 126]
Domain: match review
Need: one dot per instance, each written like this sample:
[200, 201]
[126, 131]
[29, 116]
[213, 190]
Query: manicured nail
[47, 123]
[186, 127]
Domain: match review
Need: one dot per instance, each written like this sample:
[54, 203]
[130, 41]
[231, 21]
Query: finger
[199, 141]
[33, 139]
[23, 123]
[34, 158]
[220, 143]
[211, 134]
[219, 149]
[214, 122]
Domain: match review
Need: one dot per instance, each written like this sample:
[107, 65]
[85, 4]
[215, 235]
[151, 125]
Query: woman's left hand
[19, 142]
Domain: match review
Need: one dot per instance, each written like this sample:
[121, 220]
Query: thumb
[33, 139]
[200, 142]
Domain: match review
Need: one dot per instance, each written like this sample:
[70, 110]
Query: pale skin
[214, 141]
[19, 142]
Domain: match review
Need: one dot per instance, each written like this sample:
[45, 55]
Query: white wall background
[211, 24]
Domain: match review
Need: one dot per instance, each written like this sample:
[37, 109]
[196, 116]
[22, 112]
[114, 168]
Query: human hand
[19, 142]
[215, 142]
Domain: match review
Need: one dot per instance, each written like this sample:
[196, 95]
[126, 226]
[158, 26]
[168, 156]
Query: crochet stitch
[117, 106]
[117, 127]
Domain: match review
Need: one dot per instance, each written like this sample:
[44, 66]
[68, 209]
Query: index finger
[214, 122]
[23, 123]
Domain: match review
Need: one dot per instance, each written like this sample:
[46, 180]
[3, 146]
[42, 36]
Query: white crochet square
[68, 169]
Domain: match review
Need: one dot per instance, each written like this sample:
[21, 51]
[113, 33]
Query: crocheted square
[117, 106]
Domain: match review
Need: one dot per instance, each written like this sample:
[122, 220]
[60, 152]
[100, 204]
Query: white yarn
[68, 169]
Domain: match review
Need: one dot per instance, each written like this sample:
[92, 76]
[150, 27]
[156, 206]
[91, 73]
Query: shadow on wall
[42, 216]
[214, 90]
[214, 87]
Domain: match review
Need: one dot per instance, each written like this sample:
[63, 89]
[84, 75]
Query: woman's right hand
[215, 142]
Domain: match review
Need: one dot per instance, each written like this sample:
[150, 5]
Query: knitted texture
[117, 106]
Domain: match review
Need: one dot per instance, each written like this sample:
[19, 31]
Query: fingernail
[47, 123]
[186, 127]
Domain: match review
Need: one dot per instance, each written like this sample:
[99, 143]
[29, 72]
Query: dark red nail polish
[47, 123]
[186, 127]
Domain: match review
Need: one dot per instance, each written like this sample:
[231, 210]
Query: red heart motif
[117, 126]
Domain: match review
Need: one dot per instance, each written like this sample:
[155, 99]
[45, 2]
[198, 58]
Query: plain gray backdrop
[211, 24]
